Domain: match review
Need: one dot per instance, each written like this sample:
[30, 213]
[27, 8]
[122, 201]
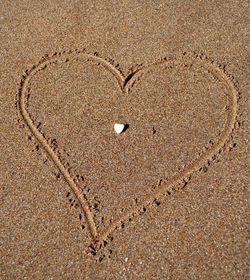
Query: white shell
[119, 127]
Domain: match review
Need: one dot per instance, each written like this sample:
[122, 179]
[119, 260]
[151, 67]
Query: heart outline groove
[125, 83]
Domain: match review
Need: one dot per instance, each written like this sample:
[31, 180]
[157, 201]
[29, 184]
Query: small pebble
[119, 127]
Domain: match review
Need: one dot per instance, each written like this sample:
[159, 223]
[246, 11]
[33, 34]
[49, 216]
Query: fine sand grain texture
[166, 198]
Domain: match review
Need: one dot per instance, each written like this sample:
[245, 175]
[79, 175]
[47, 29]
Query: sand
[166, 198]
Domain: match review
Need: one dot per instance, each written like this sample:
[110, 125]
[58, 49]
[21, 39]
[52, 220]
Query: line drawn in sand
[126, 84]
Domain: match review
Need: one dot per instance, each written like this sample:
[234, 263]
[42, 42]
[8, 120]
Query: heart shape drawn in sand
[126, 85]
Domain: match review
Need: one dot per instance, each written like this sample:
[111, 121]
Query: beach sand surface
[166, 198]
